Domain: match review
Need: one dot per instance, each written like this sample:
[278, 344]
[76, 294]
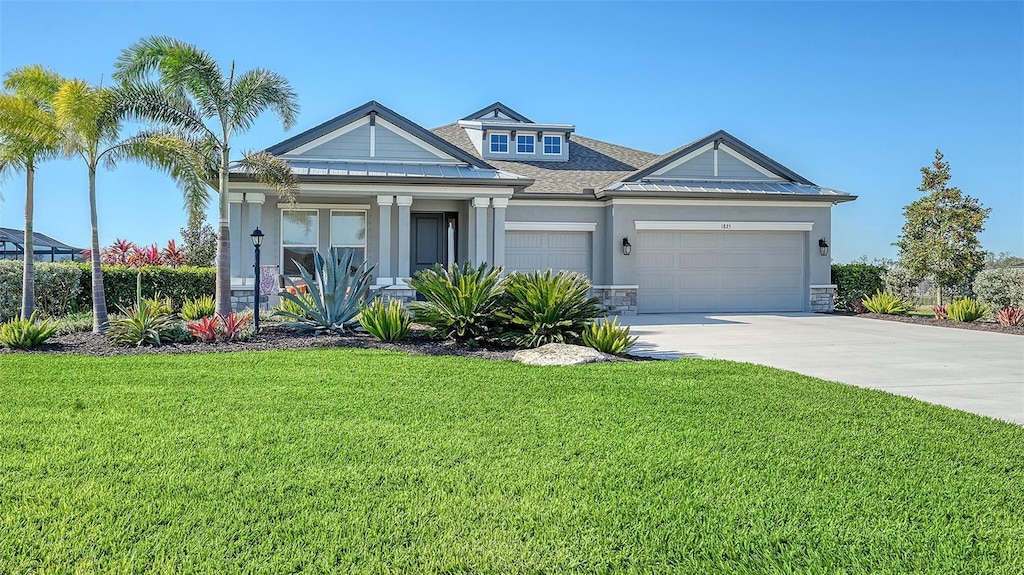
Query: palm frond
[79, 108]
[148, 102]
[27, 127]
[175, 154]
[258, 90]
[34, 82]
[271, 171]
[181, 68]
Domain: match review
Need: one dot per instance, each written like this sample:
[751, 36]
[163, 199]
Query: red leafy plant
[235, 325]
[205, 330]
[940, 312]
[1010, 316]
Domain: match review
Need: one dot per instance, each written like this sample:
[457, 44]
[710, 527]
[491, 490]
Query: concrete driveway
[979, 372]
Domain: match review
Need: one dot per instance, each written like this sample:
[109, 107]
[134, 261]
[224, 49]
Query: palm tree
[202, 108]
[28, 135]
[91, 118]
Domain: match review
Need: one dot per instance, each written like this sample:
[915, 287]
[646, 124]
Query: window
[524, 144]
[499, 143]
[553, 145]
[348, 232]
[299, 232]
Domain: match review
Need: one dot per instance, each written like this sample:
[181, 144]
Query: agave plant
[461, 300]
[335, 289]
[543, 307]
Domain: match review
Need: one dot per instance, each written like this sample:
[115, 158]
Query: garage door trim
[706, 226]
[550, 226]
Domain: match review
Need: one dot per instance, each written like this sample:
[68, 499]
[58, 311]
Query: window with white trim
[524, 143]
[553, 145]
[499, 143]
[300, 231]
[348, 232]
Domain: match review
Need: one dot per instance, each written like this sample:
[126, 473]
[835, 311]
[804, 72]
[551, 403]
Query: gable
[712, 164]
[373, 133]
[718, 156]
[498, 112]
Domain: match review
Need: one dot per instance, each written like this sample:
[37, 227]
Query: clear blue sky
[854, 96]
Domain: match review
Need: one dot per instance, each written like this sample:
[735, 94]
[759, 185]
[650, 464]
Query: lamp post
[257, 240]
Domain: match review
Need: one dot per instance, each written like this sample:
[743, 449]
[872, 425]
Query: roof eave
[516, 183]
[727, 196]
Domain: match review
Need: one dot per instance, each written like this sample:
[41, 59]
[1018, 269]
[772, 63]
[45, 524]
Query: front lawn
[348, 460]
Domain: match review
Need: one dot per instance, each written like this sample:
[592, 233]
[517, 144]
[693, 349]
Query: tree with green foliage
[201, 108]
[940, 236]
[91, 118]
[29, 134]
[199, 242]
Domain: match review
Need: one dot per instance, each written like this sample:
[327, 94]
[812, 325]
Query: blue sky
[854, 96]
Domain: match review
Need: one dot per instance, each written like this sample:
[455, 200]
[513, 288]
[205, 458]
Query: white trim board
[341, 131]
[714, 202]
[412, 139]
[748, 162]
[343, 207]
[550, 226]
[679, 161]
[556, 204]
[718, 226]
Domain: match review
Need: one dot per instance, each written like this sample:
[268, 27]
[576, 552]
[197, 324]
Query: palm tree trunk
[28, 278]
[99, 299]
[224, 242]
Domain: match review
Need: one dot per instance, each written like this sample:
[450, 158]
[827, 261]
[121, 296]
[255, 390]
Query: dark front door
[428, 241]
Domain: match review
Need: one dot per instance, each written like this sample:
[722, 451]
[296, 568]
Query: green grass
[360, 461]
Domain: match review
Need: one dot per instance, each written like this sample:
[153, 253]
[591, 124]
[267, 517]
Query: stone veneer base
[823, 298]
[618, 300]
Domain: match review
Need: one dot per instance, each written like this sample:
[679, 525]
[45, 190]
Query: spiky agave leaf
[335, 290]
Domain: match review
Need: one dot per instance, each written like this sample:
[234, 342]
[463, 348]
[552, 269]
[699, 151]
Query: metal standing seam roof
[340, 168]
[710, 187]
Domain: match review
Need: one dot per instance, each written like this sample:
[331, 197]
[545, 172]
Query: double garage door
[711, 271]
[529, 251]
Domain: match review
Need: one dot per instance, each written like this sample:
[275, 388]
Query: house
[712, 226]
[45, 248]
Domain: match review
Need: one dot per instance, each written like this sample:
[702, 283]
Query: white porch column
[404, 223]
[254, 207]
[384, 271]
[480, 251]
[235, 227]
[499, 231]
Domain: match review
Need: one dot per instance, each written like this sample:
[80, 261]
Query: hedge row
[119, 284]
[855, 282]
[57, 288]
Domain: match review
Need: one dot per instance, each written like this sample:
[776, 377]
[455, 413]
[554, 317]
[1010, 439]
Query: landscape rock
[560, 354]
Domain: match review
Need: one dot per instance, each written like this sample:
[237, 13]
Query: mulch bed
[275, 337]
[921, 320]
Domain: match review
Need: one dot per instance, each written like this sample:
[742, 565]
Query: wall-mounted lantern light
[627, 248]
[823, 247]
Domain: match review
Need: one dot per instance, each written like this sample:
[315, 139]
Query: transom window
[553, 145]
[348, 232]
[499, 143]
[299, 232]
[524, 144]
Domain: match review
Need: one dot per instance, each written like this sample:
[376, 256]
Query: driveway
[980, 372]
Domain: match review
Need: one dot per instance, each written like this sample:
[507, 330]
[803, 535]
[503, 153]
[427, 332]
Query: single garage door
[529, 251]
[710, 271]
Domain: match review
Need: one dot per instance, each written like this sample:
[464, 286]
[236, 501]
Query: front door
[428, 241]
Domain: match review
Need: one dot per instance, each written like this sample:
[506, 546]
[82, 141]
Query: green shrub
[1000, 288]
[76, 322]
[290, 309]
[196, 308]
[543, 307]
[25, 333]
[335, 289]
[899, 282]
[119, 284]
[609, 336]
[854, 282]
[887, 303]
[460, 300]
[386, 321]
[966, 310]
[58, 286]
[145, 324]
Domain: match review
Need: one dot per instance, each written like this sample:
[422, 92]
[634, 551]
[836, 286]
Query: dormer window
[552, 145]
[524, 144]
[499, 143]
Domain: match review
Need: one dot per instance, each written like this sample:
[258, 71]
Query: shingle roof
[592, 164]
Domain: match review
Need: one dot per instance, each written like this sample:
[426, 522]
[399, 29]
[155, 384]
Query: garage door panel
[529, 251]
[709, 271]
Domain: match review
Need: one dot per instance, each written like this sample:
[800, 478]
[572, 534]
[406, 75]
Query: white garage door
[705, 271]
[533, 250]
